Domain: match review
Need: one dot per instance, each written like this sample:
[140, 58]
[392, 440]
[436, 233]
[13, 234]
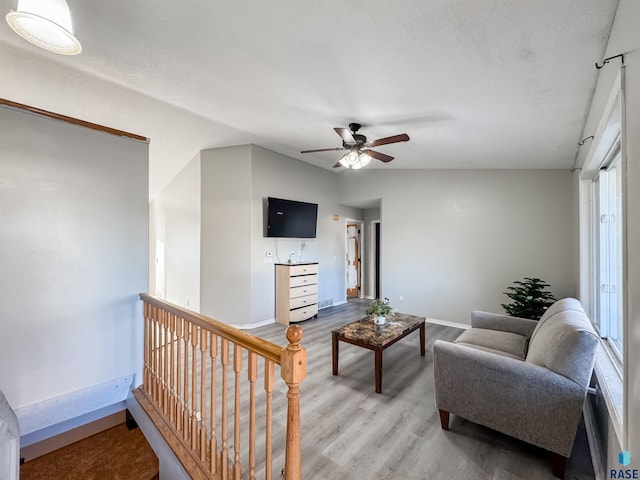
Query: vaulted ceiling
[474, 83]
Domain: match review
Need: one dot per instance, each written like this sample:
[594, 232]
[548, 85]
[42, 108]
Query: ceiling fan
[359, 154]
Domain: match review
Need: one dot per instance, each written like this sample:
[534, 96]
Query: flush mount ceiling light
[47, 24]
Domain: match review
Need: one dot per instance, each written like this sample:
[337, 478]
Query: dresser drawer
[303, 301]
[303, 291]
[303, 280]
[303, 313]
[303, 269]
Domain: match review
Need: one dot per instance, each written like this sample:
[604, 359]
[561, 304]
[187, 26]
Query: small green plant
[381, 308]
[530, 300]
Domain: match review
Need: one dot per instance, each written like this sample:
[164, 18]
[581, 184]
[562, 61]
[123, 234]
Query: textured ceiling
[475, 83]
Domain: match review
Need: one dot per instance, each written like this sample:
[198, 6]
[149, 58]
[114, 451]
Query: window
[602, 191]
[607, 222]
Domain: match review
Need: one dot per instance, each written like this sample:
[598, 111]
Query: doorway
[376, 259]
[354, 260]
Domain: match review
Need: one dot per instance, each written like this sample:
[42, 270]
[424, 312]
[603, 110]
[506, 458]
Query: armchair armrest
[520, 399]
[503, 323]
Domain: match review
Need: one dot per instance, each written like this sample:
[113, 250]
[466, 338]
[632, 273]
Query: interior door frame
[359, 260]
[375, 255]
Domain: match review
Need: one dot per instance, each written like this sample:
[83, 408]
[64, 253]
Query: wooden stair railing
[188, 361]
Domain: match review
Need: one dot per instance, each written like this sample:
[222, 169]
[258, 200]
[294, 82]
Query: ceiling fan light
[343, 161]
[46, 24]
[364, 159]
[352, 158]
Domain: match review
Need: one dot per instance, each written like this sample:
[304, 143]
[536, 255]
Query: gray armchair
[524, 378]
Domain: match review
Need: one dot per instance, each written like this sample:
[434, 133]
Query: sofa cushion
[503, 343]
[565, 343]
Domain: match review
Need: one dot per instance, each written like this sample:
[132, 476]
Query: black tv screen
[292, 219]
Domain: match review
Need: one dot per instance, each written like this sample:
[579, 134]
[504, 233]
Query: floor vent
[325, 303]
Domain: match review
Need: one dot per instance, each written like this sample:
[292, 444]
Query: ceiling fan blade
[345, 134]
[324, 150]
[387, 140]
[337, 165]
[378, 156]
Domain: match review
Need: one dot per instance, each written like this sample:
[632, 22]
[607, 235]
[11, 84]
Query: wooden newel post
[293, 369]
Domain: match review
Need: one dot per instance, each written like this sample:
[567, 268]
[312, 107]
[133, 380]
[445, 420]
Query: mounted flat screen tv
[291, 219]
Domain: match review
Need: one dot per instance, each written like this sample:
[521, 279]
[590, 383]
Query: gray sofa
[527, 379]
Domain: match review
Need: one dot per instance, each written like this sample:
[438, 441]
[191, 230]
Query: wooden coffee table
[366, 334]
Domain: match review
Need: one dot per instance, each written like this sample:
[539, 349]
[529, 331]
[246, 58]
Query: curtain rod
[74, 121]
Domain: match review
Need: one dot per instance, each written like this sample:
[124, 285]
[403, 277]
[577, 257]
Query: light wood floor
[350, 432]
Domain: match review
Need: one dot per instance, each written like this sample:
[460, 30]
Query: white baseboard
[251, 326]
[447, 323]
[56, 415]
[335, 304]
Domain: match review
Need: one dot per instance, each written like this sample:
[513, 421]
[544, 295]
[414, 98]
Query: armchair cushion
[503, 323]
[502, 343]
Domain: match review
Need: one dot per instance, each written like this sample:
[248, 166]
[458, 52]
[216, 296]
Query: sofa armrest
[519, 399]
[503, 323]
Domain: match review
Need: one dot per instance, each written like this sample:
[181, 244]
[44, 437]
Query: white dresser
[296, 292]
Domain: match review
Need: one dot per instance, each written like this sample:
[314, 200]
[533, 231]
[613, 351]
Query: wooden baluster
[213, 447]
[202, 424]
[156, 349]
[158, 367]
[180, 394]
[165, 364]
[185, 414]
[194, 381]
[252, 375]
[159, 321]
[293, 369]
[154, 353]
[269, 375]
[146, 383]
[237, 368]
[152, 379]
[172, 370]
[158, 346]
[224, 452]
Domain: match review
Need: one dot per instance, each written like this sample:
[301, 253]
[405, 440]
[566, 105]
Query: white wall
[175, 221]
[452, 241]
[73, 259]
[625, 38]
[225, 266]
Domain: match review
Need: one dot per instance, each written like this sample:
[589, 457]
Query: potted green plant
[530, 300]
[380, 309]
